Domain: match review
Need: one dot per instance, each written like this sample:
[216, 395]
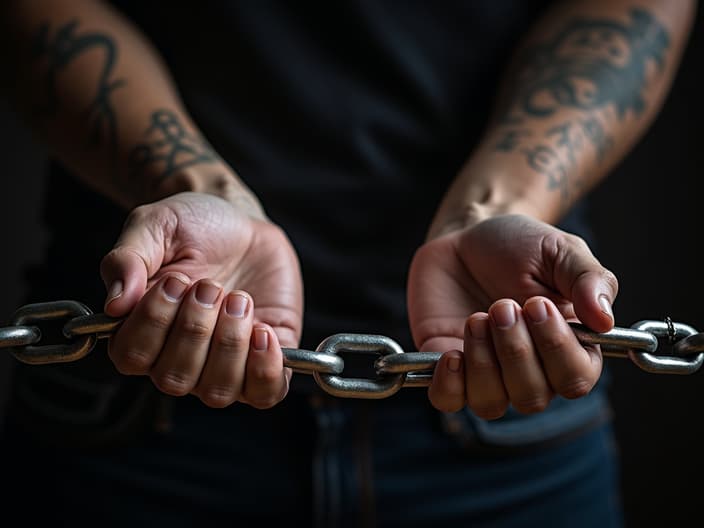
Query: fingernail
[606, 306]
[114, 291]
[261, 339]
[174, 288]
[504, 315]
[477, 327]
[207, 293]
[536, 310]
[236, 305]
[454, 364]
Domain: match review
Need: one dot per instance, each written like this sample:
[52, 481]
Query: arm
[584, 86]
[100, 98]
[98, 95]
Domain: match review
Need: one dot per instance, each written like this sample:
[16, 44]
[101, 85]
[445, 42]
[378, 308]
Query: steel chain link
[661, 347]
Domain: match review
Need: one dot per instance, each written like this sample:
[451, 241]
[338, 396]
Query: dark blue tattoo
[169, 148]
[59, 51]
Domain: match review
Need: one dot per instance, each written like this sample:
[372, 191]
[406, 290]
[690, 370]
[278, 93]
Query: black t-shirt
[347, 119]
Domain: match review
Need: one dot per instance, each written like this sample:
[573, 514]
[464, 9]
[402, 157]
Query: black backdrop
[648, 217]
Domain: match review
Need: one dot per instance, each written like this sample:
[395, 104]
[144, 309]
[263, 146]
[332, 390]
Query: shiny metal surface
[661, 347]
[383, 387]
[664, 363]
[52, 353]
[18, 336]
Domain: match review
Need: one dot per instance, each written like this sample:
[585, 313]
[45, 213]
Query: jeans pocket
[563, 418]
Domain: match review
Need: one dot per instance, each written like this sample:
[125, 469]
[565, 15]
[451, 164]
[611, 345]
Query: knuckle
[196, 330]
[552, 343]
[578, 241]
[266, 375]
[157, 318]
[480, 363]
[139, 215]
[131, 362]
[218, 396]
[575, 388]
[489, 410]
[232, 342]
[514, 352]
[264, 402]
[173, 383]
[445, 401]
[532, 404]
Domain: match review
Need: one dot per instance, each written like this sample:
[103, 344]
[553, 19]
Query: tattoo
[596, 66]
[169, 148]
[545, 160]
[559, 157]
[60, 50]
[591, 64]
[595, 133]
[511, 139]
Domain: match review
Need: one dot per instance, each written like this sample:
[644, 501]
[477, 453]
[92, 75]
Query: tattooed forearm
[591, 64]
[556, 155]
[59, 51]
[167, 148]
[594, 73]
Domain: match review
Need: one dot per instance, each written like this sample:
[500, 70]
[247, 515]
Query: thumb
[591, 287]
[126, 269]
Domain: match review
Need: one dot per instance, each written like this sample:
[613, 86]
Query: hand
[522, 281]
[212, 294]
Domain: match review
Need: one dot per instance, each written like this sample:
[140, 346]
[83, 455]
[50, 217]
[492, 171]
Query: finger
[446, 392]
[139, 340]
[592, 288]
[221, 381]
[181, 360]
[137, 256]
[486, 395]
[523, 376]
[572, 370]
[266, 379]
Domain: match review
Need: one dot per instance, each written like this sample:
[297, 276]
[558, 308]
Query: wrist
[493, 184]
[219, 181]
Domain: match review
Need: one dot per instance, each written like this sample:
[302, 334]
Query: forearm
[585, 85]
[97, 94]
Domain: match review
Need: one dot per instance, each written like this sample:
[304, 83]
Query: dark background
[648, 217]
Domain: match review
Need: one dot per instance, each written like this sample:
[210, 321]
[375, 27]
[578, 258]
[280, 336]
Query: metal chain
[661, 347]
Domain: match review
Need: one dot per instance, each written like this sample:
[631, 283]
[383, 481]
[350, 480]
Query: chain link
[660, 347]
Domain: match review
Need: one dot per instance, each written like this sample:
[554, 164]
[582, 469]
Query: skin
[493, 287]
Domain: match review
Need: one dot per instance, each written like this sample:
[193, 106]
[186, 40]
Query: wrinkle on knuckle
[132, 361]
[157, 318]
[196, 330]
[575, 388]
[173, 383]
[217, 396]
[532, 404]
[232, 342]
[266, 375]
[263, 402]
[552, 344]
[480, 363]
[513, 353]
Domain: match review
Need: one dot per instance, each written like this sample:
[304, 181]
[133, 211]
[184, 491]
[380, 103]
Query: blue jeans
[316, 461]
